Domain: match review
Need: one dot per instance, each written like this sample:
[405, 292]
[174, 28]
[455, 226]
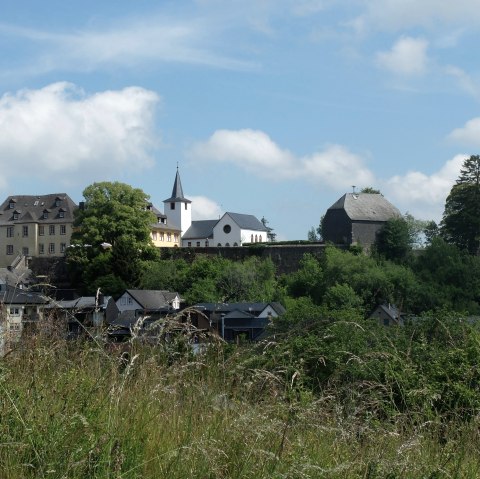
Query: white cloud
[423, 195]
[252, 150]
[257, 153]
[466, 82]
[408, 56]
[204, 208]
[337, 168]
[60, 132]
[469, 134]
[161, 38]
[401, 14]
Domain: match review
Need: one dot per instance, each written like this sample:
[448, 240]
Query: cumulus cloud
[424, 195]
[408, 56]
[59, 130]
[204, 208]
[469, 134]
[256, 152]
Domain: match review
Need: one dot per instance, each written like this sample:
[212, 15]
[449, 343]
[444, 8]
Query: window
[227, 244]
[175, 238]
[45, 215]
[219, 244]
[41, 230]
[162, 236]
[154, 236]
[9, 231]
[251, 239]
[35, 203]
[235, 244]
[51, 248]
[15, 216]
[25, 251]
[61, 214]
[9, 248]
[186, 206]
[256, 239]
[63, 230]
[14, 311]
[41, 248]
[189, 244]
[51, 229]
[11, 205]
[172, 206]
[57, 203]
[15, 326]
[227, 229]
[260, 238]
[25, 231]
[63, 247]
[206, 243]
[198, 244]
[169, 237]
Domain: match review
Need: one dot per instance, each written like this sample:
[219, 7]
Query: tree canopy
[112, 236]
[461, 218]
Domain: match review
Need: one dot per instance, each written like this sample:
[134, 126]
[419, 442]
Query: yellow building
[32, 226]
[164, 234]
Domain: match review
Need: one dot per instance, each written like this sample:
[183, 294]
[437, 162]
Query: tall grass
[80, 410]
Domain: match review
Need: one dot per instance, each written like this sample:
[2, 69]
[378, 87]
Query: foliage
[270, 234]
[394, 240]
[461, 218]
[115, 215]
[369, 189]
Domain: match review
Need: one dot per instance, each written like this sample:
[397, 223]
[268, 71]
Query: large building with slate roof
[35, 226]
[356, 218]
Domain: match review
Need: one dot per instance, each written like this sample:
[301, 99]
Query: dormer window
[57, 202]
[45, 215]
[16, 215]
[61, 214]
[11, 205]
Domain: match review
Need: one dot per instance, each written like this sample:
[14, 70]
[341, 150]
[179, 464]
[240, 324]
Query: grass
[78, 410]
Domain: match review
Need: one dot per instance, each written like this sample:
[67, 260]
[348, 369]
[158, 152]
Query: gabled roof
[13, 295]
[84, 302]
[246, 222]
[238, 314]
[152, 299]
[248, 308]
[366, 207]
[31, 208]
[177, 191]
[202, 229]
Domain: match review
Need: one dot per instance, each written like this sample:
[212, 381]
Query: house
[148, 301]
[232, 229]
[84, 313]
[387, 315]
[356, 218]
[237, 320]
[33, 226]
[18, 309]
[164, 232]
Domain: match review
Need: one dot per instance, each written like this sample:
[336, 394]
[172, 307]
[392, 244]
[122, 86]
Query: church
[232, 229]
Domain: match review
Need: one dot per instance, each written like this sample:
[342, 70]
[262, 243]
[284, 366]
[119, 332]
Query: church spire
[177, 191]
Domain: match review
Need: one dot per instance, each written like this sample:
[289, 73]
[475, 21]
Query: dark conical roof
[177, 191]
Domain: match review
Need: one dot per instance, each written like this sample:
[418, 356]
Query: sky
[274, 108]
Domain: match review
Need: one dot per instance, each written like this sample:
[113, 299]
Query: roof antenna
[353, 188]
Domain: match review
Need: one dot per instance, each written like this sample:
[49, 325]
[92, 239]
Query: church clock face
[227, 229]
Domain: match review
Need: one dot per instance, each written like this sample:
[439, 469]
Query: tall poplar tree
[461, 219]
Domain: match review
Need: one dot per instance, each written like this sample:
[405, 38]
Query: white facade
[179, 213]
[227, 233]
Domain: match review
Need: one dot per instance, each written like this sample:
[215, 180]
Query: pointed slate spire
[177, 191]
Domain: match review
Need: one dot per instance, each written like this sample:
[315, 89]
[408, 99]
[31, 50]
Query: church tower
[177, 208]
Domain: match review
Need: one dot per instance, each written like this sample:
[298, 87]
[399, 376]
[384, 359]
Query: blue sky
[270, 107]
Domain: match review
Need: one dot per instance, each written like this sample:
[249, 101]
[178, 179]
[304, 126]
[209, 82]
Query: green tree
[112, 235]
[461, 218]
[394, 240]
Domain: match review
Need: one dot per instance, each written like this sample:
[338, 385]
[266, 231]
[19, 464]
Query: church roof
[177, 191]
[247, 222]
[366, 207]
[200, 229]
